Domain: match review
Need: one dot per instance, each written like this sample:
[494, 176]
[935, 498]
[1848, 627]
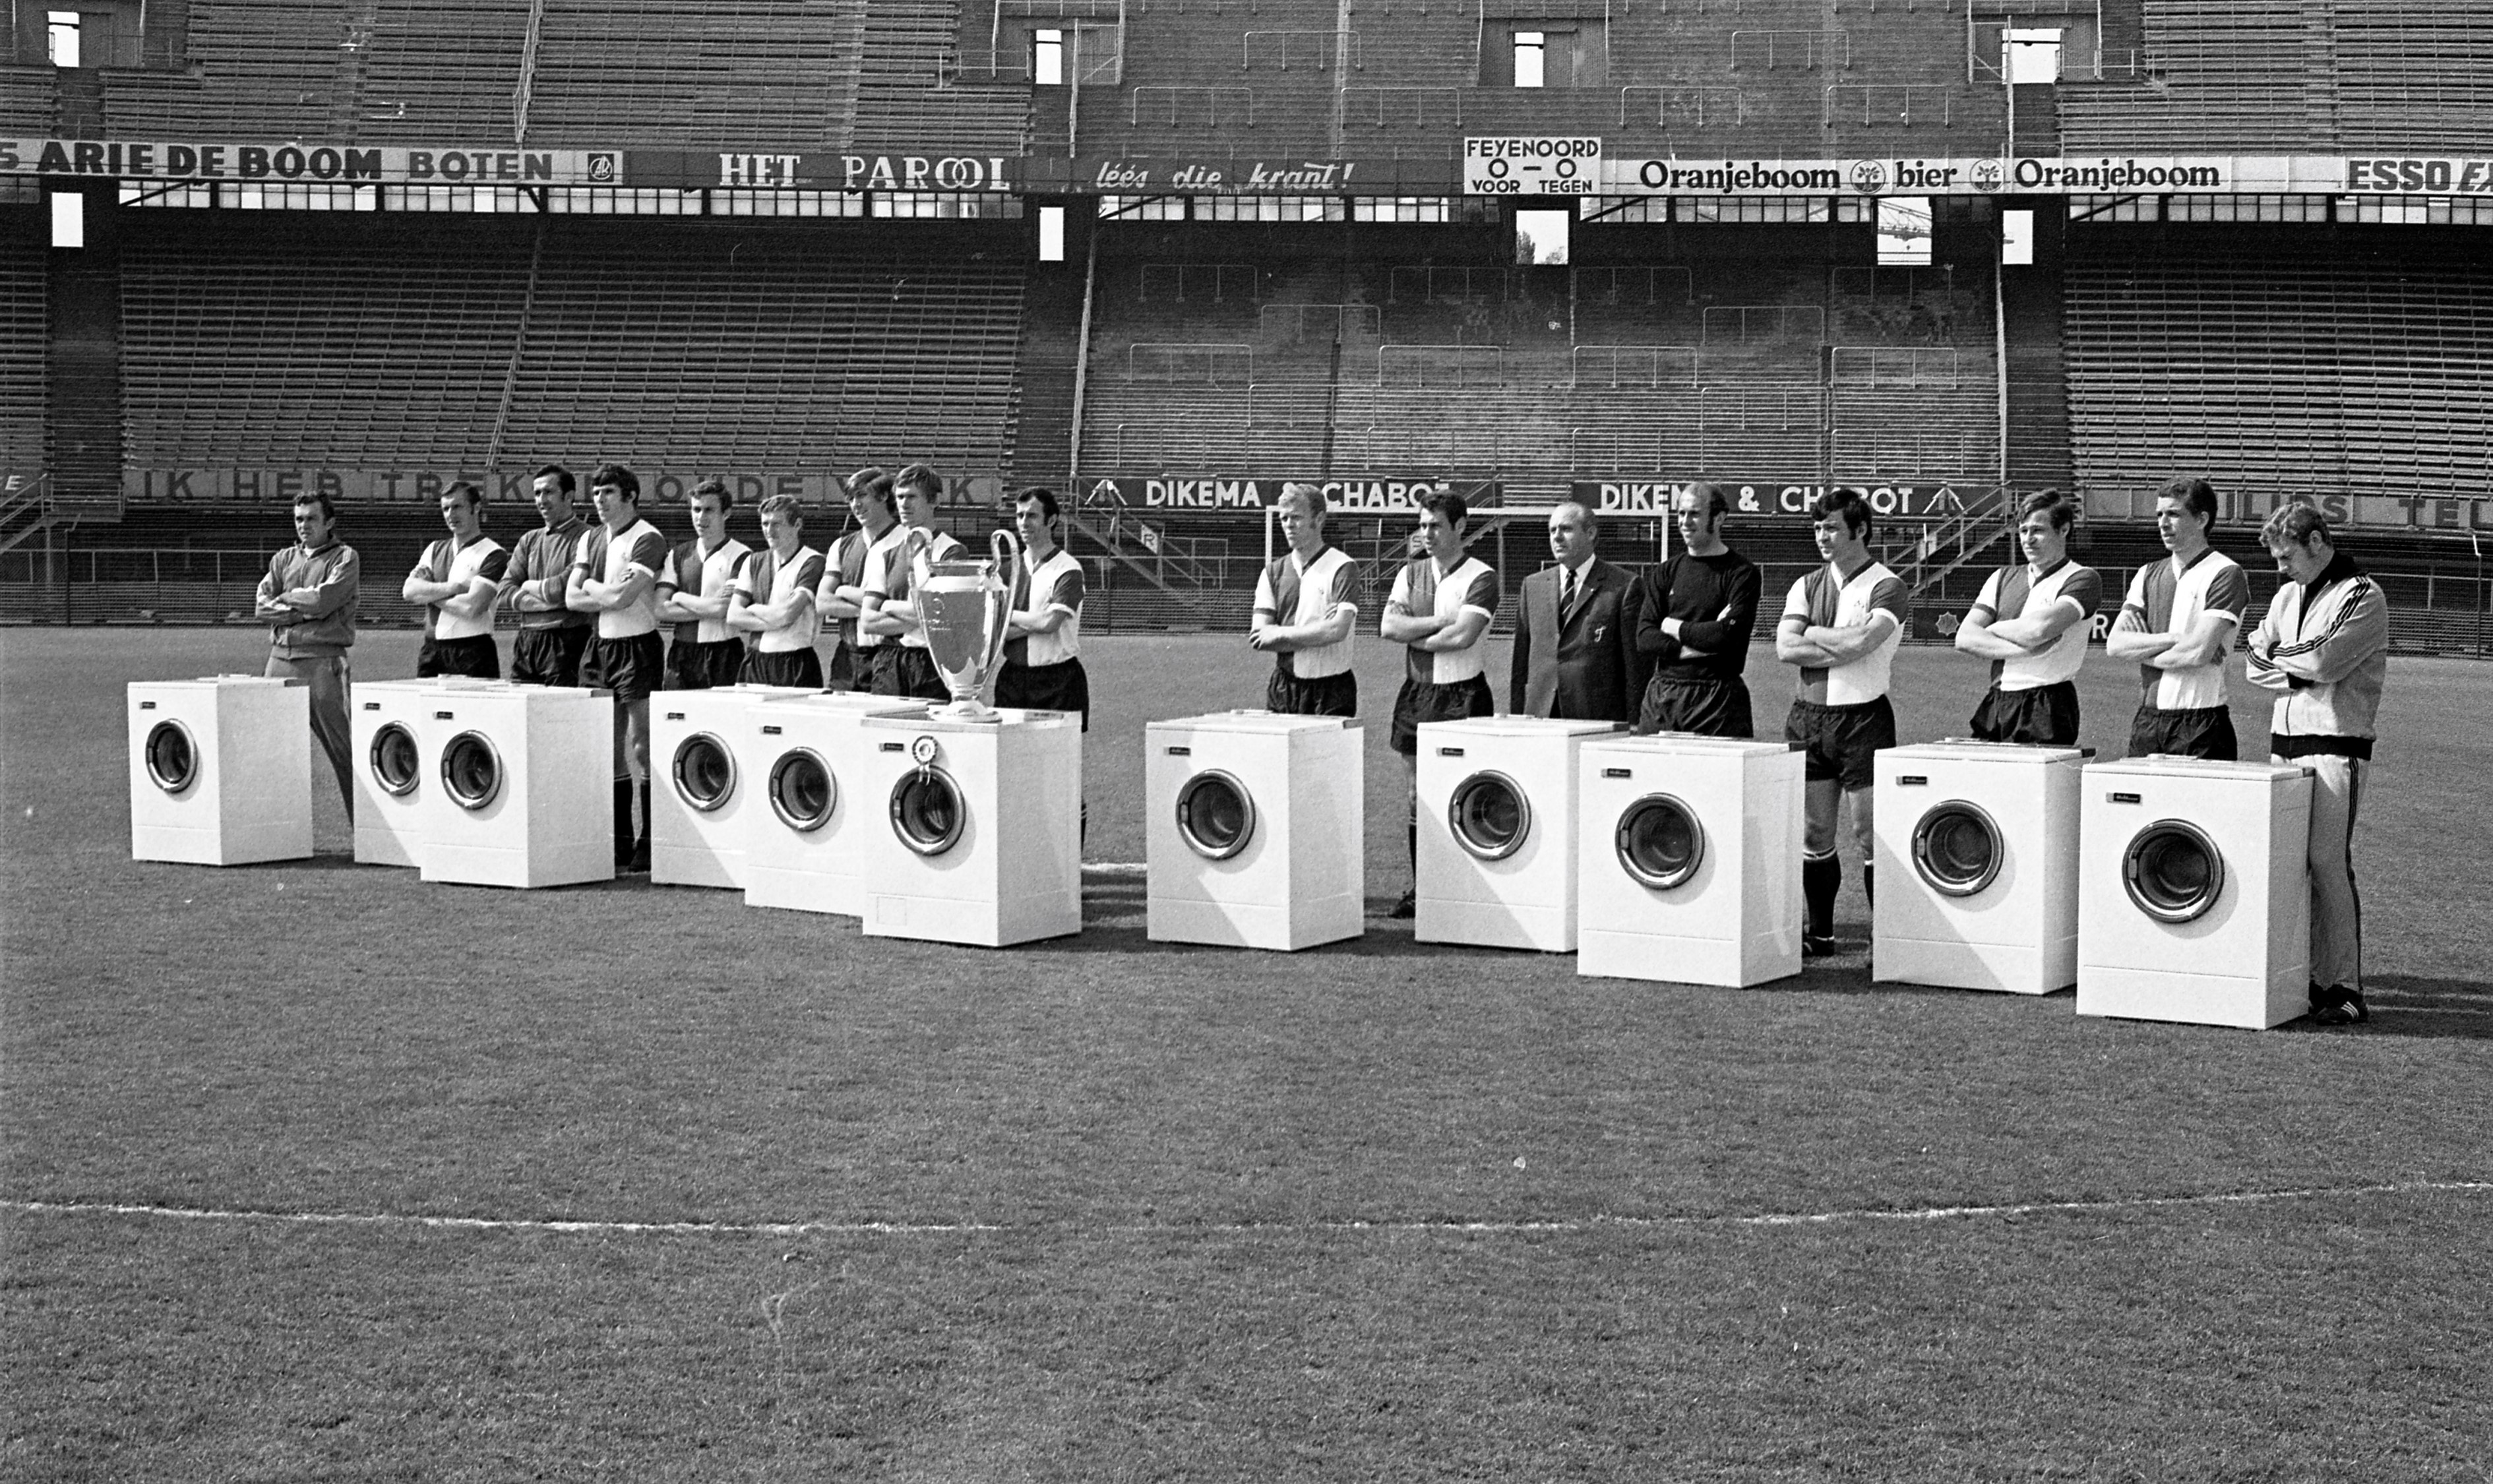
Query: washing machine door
[1489, 815]
[173, 758]
[1958, 848]
[471, 771]
[1215, 815]
[393, 760]
[927, 810]
[704, 771]
[1659, 841]
[803, 792]
[2172, 871]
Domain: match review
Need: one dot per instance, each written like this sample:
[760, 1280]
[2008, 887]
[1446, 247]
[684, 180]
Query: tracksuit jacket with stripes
[2324, 647]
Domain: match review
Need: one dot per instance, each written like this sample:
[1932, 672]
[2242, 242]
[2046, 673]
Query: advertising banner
[1241, 174]
[2066, 175]
[685, 169]
[1788, 499]
[343, 164]
[507, 487]
[1357, 495]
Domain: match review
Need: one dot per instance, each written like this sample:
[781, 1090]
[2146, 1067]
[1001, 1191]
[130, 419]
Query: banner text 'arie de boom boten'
[345, 164]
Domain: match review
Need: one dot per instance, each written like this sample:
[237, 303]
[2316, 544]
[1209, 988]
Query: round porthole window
[704, 771]
[1215, 815]
[1957, 848]
[927, 811]
[471, 771]
[1659, 842]
[803, 792]
[393, 760]
[2172, 871]
[1489, 815]
[172, 761]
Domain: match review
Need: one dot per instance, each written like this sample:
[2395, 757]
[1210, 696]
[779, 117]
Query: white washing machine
[219, 771]
[980, 831]
[1977, 850]
[383, 725]
[1688, 860]
[704, 783]
[806, 829]
[518, 786]
[2194, 892]
[1497, 831]
[1255, 830]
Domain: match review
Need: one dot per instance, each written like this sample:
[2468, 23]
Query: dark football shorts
[631, 668]
[1709, 708]
[1327, 695]
[1842, 741]
[548, 657]
[474, 655]
[2205, 731]
[784, 667]
[692, 665]
[2045, 715]
[910, 671]
[1419, 701]
[1063, 686]
[841, 673]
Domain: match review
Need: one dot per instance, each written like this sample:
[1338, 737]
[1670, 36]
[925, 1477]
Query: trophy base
[965, 710]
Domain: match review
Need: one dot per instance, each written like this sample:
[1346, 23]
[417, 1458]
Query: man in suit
[1574, 632]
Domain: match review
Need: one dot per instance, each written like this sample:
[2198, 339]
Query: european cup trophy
[964, 604]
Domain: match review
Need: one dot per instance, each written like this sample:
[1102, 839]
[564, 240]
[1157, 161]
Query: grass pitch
[1109, 1209]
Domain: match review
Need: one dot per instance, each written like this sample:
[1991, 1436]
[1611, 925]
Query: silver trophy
[964, 605]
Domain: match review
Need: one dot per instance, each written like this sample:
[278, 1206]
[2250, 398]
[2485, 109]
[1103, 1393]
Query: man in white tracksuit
[2323, 648]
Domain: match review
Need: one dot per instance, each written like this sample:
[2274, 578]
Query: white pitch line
[1770, 1218]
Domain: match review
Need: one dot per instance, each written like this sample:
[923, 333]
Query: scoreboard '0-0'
[1532, 164]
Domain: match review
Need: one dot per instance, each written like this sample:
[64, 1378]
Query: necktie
[1566, 592]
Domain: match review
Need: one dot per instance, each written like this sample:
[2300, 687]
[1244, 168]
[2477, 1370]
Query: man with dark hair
[458, 581]
[2323, 648]
[615, 577]
[1043, 668]
[909, 670]
[546, 644]
[307, 601]
[2030, 623]
[694, 591]
[1306, 615]
[1841, 625]
[1441, 607]
[877, 507]
[844, 564]
[1694, 623]
[774, 600]
[2178, 622]
[1574, 653]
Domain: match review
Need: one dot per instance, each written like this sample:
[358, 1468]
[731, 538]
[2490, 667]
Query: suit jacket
[1584, 664]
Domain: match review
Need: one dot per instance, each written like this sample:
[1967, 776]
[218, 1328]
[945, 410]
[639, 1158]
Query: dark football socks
[1870, 883]
[623, 823]
[641, 837]
[1820, 878]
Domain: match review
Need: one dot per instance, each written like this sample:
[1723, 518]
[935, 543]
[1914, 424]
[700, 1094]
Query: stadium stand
[23, 340]
[713, 74]
[2280, 374]
[333, 345]
[256, 68]
[1339, 333]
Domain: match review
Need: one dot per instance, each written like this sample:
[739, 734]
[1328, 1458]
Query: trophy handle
[1004, 550]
